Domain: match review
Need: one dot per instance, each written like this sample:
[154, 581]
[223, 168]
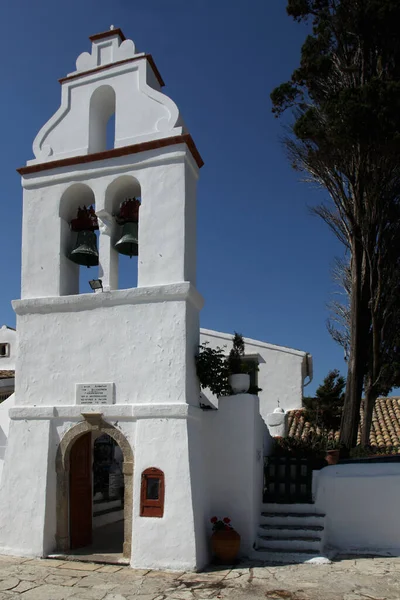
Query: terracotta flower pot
[332, 457]
[225, 545]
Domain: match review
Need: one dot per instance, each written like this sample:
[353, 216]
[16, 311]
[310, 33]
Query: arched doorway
[76, 454]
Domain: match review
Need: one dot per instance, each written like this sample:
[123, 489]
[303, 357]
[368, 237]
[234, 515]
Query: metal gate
[288, 480]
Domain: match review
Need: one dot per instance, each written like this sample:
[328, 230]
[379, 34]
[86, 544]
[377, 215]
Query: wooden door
[80, 492]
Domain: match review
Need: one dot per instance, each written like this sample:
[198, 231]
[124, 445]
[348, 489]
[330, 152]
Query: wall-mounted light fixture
[96, 285]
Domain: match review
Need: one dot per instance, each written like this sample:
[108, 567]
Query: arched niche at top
[101, 109]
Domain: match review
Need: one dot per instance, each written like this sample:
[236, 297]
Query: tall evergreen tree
[345, 97]
[325, 410]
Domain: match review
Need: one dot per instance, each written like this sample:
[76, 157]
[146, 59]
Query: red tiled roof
[385, 430]
[7, 374]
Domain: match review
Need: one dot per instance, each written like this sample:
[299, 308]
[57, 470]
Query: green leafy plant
[325, 410]
[332, 444]
[235, 361]
[214, 367]
[314, 447]
[211, 369]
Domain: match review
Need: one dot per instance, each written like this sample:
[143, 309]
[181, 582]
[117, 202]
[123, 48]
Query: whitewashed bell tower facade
[140, 341]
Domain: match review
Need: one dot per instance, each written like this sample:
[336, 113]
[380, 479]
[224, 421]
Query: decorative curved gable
[113, 78]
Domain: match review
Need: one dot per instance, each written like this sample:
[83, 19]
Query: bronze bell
[129, 242]
[85, 252]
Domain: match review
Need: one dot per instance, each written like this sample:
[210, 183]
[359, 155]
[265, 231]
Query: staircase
[290, 533]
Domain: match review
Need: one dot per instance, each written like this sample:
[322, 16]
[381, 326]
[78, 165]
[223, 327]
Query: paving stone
[201, 577]
[24, 586]
[181, 595]
[262, 573]
[96, 579]
[94, 593]
[8, 583]
[349, 579]
[62, 580]
[165, 574]
[237, 573]
[109, 569]
[13, 559]
[80, 566]
[48, 592]
[45, 562]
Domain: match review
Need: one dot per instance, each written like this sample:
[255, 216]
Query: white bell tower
[117, 360]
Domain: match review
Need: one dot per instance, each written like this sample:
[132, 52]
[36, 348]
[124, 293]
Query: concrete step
[297, 544]
[282, 519]
[296, 507]
[290, 529]
[285, 557]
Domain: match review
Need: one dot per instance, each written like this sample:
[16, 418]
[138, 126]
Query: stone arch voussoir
[92, 422]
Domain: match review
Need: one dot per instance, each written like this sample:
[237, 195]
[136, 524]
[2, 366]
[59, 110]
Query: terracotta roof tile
[7, 374]
[385, 430]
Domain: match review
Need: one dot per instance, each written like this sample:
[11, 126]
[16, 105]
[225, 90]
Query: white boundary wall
[8, 336]
[235, 464]
[361, 504]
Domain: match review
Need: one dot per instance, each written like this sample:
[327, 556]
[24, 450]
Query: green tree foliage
[325, 410]
[345, 98]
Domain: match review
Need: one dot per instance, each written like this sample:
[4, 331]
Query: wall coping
[183, 291]
[130, 412]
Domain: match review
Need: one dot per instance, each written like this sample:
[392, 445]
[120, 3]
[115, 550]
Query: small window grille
[4, 350]
[152, 493]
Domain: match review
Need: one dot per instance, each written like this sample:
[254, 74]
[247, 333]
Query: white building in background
[282, 372]
[8, 353]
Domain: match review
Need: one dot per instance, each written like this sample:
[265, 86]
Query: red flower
[227, 528]
[226, 520]
[214, 520]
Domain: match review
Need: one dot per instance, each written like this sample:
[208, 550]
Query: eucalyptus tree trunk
[356, 365]
[371, 396]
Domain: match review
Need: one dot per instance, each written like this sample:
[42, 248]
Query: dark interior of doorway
[96, 499]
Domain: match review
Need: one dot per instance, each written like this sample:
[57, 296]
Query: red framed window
[152, 493]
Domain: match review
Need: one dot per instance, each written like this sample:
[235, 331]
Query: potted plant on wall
[238, 371]
[332, 452]
[225, 541]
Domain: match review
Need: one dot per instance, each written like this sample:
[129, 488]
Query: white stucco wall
[8, 336]
[234, 453]
[4, 427]
[282, 371]
[178, 540]
[134, 338]
[361, 504]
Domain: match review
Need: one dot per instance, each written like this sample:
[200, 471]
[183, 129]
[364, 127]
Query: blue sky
[263, 261]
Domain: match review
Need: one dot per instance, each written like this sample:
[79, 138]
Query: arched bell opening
[102, 119]
[123, 201]
[79, 240]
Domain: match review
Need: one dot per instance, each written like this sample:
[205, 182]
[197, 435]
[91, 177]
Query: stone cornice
[186, 138]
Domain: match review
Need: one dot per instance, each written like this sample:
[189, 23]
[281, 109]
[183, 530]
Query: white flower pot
[240, 382]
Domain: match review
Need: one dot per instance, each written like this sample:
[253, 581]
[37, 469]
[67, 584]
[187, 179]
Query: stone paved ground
[347, 579]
